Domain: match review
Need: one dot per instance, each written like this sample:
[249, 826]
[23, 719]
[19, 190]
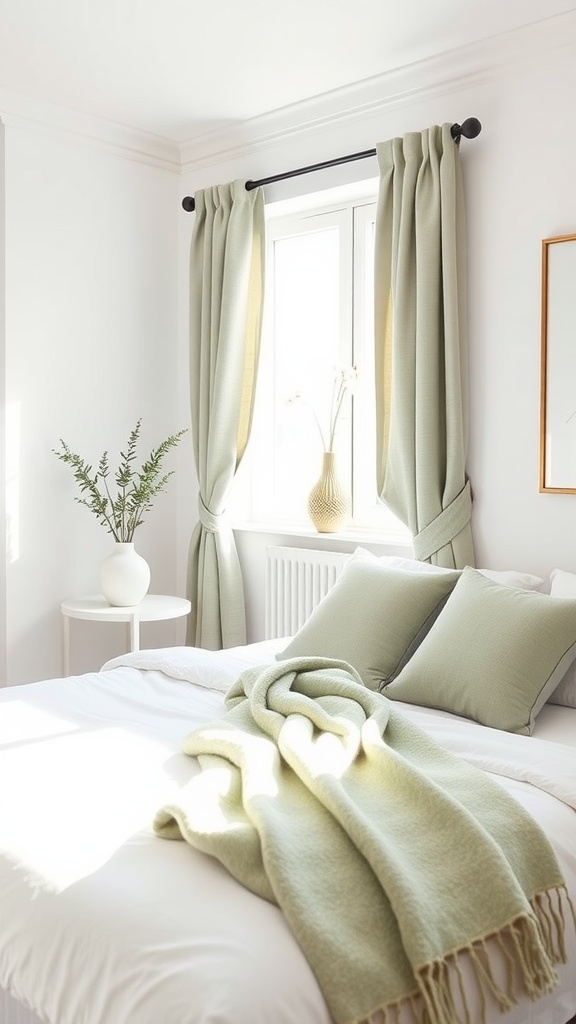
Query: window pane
[302, 346]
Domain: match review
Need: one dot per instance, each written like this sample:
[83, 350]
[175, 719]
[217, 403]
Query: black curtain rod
[469, 128]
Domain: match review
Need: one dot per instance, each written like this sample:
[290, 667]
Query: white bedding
[104, 923]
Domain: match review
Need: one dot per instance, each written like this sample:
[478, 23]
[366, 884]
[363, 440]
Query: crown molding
[443, 73]
[40, 115]
[449, 71]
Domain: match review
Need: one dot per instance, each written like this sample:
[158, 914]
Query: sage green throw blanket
[390, 858]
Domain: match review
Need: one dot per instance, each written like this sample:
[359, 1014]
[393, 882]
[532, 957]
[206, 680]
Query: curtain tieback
[212, 521]
[445, 527]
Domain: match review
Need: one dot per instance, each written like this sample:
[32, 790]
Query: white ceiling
[179, 68]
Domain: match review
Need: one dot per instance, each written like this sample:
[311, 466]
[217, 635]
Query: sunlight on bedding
[327, 753]
[91, 790]
[214, 799]
[23, 723]
[260, 780]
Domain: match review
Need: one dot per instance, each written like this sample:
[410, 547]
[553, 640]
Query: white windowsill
[351, 535]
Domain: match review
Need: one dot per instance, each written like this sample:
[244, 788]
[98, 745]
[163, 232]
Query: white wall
[91, 345]
[520, 187]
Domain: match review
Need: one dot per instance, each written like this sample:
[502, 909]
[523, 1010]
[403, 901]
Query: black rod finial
[188, 203]
[470, 129]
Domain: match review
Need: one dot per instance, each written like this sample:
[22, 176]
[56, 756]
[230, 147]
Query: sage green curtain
[421, 344]
[226, 295]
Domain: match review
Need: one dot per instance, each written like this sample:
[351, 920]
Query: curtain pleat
[226, 296]
[421, 344]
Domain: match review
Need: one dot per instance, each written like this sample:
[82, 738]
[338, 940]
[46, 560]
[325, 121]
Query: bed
[104, 921]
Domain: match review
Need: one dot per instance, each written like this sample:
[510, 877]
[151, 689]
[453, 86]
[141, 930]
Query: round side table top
[152, 608]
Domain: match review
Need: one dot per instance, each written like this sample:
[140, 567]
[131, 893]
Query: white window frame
[353, 216]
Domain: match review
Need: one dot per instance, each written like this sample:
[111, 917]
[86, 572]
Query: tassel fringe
[531, 945]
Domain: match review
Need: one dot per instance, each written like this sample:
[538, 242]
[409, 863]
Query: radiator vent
[296, 580]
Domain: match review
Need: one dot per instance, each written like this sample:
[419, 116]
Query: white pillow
[505, 577]
[511, 578]
[563, 584]
[396, 562]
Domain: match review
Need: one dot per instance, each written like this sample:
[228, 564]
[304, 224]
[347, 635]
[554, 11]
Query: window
[318, 320]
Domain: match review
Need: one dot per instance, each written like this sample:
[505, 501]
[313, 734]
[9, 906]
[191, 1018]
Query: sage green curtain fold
[226, 296]
[421, 344]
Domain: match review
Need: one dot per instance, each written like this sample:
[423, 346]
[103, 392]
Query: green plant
[136, 488]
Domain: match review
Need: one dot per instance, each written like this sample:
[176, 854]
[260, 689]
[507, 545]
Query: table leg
[135, 633]
[65, 645]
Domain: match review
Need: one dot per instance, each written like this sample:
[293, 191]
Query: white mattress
[104, 923]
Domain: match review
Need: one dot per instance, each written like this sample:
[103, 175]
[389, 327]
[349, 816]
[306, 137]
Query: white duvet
[102, 922]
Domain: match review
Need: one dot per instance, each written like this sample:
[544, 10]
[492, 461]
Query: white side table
[151, 609]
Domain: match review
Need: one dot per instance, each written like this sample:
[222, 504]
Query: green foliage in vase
[135, 488]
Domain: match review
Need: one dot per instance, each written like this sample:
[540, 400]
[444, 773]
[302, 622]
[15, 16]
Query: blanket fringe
[393, 1012]
[549, 907]
[530, 945]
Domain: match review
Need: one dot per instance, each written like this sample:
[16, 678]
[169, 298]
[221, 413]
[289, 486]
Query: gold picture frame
[558, 366]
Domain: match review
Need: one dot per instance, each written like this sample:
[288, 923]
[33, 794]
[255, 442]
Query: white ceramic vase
[124, 576]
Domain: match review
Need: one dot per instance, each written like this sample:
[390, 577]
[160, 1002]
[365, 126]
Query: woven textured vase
[329, 501]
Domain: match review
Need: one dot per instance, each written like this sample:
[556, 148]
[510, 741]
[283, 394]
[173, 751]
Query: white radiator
[296, 580]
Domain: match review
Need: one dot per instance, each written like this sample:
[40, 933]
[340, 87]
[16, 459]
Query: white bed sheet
[103, 923]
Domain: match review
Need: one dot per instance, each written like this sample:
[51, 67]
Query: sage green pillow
[373, 618]
[494, 654]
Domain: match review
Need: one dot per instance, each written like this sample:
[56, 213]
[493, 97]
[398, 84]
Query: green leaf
[121, 511]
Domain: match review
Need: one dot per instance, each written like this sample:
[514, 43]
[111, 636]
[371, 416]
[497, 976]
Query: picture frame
[558, 365]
